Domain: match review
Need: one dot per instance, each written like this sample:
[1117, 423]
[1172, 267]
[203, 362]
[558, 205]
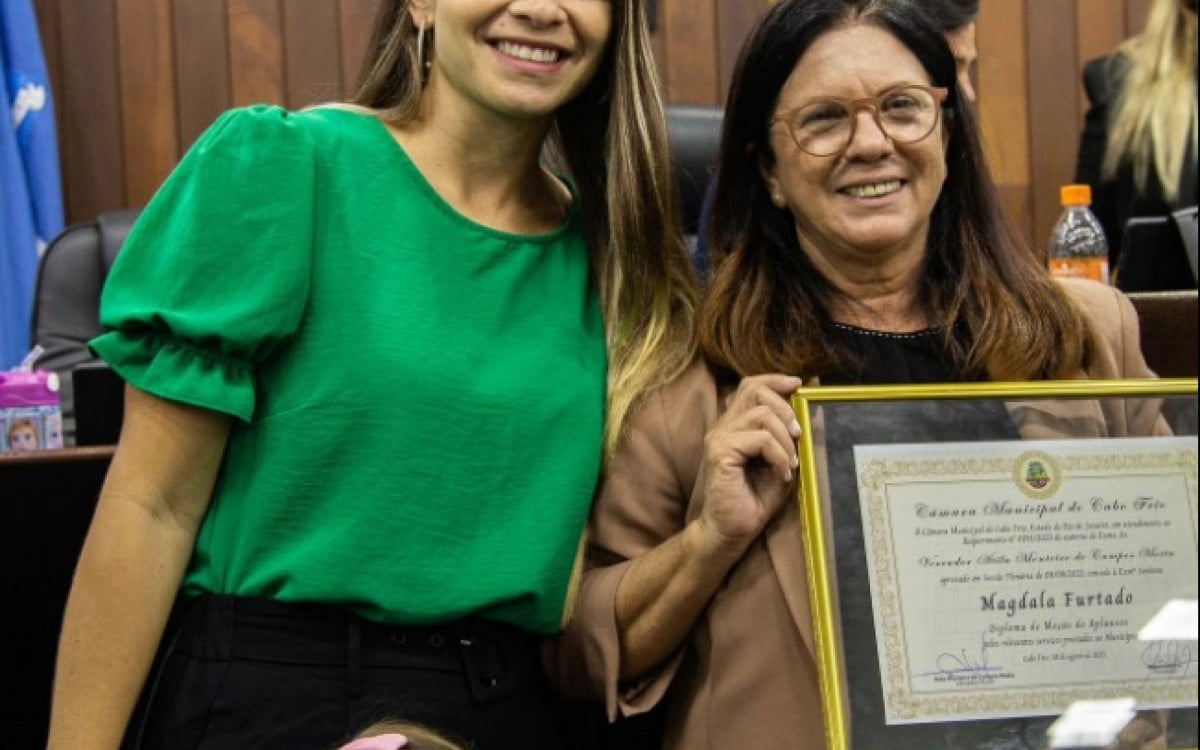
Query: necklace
[856, 330]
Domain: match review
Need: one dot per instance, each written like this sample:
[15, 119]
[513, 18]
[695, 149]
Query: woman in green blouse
[376, 353]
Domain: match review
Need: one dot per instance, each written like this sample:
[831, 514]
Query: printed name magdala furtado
[1028, 600]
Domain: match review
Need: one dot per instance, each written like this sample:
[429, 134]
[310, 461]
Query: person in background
[1138, 147]
[957, 21]
[857, 239]
[341, 448]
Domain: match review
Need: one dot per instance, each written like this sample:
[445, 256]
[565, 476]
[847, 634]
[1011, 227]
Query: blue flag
[31, 212]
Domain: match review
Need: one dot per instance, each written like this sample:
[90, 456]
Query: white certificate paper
[1012, 578]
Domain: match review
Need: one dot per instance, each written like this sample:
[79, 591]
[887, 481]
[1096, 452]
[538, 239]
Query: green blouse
[419, 399]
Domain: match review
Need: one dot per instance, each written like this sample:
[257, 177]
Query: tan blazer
[746, 678]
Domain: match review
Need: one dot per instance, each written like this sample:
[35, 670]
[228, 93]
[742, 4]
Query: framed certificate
[983, 556]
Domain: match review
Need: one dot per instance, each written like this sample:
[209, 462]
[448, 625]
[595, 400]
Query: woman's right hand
[749, 461]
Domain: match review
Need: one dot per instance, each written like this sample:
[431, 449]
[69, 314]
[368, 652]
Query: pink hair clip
[378, 742]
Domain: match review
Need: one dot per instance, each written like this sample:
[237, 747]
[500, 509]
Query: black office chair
[694, 134]
[1158, 253]
[66, 306]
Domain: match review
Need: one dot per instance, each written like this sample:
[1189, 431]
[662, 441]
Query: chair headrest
[694, 134]
[114, 227]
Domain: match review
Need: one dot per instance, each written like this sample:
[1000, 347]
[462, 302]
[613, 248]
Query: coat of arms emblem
[1037, 475]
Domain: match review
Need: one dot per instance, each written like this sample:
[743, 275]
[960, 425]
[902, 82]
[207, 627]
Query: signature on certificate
[1170, 657]
[962, 664]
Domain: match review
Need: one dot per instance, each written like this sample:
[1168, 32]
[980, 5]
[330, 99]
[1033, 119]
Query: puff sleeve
[214, 276]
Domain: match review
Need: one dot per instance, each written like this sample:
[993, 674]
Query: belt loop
[485, 677]
[354, 656]
[221, 610]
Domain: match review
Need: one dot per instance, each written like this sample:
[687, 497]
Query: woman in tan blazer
[857, 238]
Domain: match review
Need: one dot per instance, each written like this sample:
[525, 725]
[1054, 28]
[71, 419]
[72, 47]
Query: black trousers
[262, 675]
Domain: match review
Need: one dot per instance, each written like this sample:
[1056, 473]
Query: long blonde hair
[611, 141]
[1154, 120]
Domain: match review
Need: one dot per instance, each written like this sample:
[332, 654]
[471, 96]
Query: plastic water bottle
[1077, 245]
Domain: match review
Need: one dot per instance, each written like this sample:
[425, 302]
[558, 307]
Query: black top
[882, 358]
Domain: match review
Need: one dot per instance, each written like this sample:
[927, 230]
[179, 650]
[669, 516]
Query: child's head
[397, 735]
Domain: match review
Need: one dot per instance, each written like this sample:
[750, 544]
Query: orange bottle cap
[1076, 195]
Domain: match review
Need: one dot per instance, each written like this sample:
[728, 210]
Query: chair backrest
[66, 302]
[66, 311]
[694, 134]
[1168, 324]
[1158, 253]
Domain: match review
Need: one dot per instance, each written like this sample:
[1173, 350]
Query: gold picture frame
[817, 523]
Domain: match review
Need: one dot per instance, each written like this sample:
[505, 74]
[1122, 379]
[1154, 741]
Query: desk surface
[65, 455]
[46, 504]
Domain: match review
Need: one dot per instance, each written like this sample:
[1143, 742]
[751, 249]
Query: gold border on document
[816, 542]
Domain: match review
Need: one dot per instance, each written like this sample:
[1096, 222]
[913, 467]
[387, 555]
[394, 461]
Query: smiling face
[518, 58]
[869, 205]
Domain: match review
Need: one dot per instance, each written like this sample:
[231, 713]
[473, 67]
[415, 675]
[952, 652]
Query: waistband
[264, 630]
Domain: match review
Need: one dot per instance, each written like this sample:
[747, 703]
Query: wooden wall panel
[689, 33]
[256, 52]
[1002, 83]
[89, 113]
[147, 67]
[311, 52]
[1054, 106]
[201, 66]
[355, 22]
[736, 19]
[135, 81]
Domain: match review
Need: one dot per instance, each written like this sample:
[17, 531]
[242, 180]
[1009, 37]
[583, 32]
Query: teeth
[874, 191]
[532, 54]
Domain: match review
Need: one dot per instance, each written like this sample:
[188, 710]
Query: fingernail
[795, 428]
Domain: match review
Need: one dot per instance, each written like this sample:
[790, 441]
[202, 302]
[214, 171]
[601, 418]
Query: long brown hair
[1002, 316]
[611, 141]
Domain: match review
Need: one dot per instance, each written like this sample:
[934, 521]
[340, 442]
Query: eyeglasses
[825, 126]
